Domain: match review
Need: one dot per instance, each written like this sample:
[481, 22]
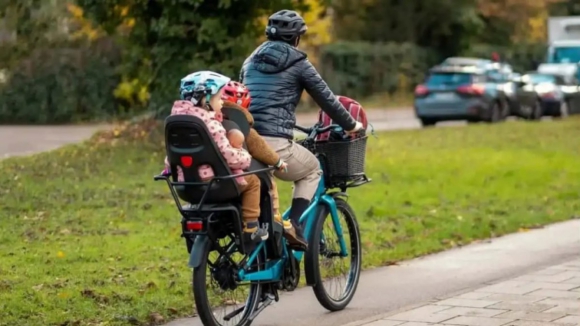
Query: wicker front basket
[343, 161]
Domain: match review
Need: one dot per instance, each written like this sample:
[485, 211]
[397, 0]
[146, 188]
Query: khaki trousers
[303, 167]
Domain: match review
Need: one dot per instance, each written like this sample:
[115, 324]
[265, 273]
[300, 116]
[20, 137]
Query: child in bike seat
[236, 96]
[201, 97]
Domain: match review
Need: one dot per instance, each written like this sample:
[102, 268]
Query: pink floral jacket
[237, 159]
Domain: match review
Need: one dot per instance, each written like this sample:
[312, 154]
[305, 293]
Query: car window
[478, 79]
[567, 55]
[559, 80]
[495, 75]
[540, 78]
[506, 69]
[445, 78]
[571, 80]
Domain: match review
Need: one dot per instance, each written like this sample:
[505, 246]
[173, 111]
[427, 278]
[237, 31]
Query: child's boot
[253, 234]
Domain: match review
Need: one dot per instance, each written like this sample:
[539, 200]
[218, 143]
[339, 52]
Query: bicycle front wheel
[336, 274]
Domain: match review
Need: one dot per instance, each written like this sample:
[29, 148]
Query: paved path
[384, 290]
[548, 297]
[25, 140]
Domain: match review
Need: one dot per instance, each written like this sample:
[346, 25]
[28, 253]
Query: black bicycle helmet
[285, 25]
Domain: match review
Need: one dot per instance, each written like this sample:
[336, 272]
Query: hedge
[360, 69]
[523, 57]
[61, 85]
[76, 82]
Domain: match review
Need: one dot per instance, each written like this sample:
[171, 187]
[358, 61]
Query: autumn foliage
[91, 59]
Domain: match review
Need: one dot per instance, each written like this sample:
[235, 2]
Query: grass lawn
[87, 238]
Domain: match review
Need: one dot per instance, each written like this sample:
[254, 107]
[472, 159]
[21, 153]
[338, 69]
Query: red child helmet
[237, 93]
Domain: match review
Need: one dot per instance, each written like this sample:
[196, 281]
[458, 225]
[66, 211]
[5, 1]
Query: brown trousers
[251, 199]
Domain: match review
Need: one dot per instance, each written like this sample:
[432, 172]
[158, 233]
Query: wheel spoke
[338, 274]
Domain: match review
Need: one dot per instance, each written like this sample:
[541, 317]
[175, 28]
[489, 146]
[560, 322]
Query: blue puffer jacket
[276, 74]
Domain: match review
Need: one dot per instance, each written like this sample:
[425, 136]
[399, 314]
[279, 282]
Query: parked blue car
[467, 91]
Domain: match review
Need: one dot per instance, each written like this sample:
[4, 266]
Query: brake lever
[373, 133]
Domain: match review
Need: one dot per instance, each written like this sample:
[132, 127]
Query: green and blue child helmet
[196, 85]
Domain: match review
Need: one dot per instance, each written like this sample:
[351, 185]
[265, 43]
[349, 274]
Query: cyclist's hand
[281, 166]
[358, 127]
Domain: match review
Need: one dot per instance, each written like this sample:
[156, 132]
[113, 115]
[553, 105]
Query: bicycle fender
[309, 270]
[337, 194]
[197, 251]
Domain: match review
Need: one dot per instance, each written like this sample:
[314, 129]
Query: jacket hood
[274, 56]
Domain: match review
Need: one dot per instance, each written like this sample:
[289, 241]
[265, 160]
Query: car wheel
[563, 110]
[425, 122]
[495, 112]
[506, 109]
[537, 111]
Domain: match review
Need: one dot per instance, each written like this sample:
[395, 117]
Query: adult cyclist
[276, 74]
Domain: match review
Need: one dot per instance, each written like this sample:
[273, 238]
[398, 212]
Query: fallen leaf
[230, 302]
[63, 295]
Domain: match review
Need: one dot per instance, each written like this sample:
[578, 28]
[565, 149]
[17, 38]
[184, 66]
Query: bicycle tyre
[355, 254]
[200, 295]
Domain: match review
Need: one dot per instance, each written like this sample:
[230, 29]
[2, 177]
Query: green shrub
[361, 69]
[523, 57]
[62, 84]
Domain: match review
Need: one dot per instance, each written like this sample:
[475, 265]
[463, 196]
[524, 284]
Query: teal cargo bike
[232, 284]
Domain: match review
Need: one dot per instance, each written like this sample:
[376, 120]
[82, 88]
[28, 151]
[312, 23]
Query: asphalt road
[25, 140]
[386, 289]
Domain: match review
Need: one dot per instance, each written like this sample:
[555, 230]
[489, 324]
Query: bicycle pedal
[269, 298]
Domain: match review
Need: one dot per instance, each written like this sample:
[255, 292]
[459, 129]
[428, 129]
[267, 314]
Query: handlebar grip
[160, 177]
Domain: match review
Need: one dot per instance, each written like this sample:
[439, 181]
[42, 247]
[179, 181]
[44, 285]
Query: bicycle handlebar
[315, 130]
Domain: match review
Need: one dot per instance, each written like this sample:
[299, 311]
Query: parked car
[459, 92]
[496, 72]
[570, 85]
[542, 94]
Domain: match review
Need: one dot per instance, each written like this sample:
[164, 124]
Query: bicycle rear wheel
[216, 272]
[327, 262]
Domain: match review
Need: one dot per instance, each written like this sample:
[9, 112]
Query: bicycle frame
[274, 269]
